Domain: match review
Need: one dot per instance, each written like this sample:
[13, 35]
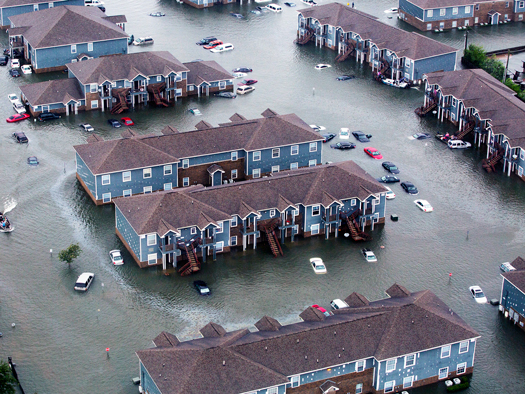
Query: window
[313, 146]
[445, 351]
[256, 173]
[90, 47]
[359, 388]
[467, 9]
[234, 221]
[159, 78]
[152, 258]
[126, 193]
[275, 168]
[185, 181]
[193, 231]
[234, 174]
[522, 154]
[126, 176]
[391, 365]
[73, 48]
[295, 150]
[463, 347]
[389, 386]
[276, 153]
[360, 366]
[272, 213]
[443, 373]
[430, 13]
[168, 186]
[222, 85]
[219, 229]
[190, 88]
[442, 12]
[461, 368]
[312, 163]
[410, 360]
[454, 10]
[407, 382]
[316, 210]
[51, 5]
[35, 7]
[315, 229]
[294, 166]
[219, 246]
[507, 4]
[167, 170]
[454, 23]
[295, 381]
[106, 197]
[521, 4]
[233, 241]
[295, 212]
[147, 189]
[477, 7]
[520, 17]
[429, 26]
[105, 179]
[257, 155]
[476, 20]
[272, 390]
[234, 156]
[146, 173]
[185, 163]
[151, 239]
[94, 103]
[407, 62]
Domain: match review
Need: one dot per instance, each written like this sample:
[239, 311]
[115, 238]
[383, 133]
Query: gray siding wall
[147, 382]
[445, 62]
[411, 9]
[85, 174]
[127, 232]
[513, 298]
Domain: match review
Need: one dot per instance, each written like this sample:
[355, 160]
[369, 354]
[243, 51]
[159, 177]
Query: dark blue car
[114, 122]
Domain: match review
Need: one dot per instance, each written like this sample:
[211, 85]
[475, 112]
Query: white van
[274, 7]
[338, 304]
[84, 281]
[458, 144]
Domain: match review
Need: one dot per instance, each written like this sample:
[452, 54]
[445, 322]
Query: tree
[7, 380]
[494, 67]
[476, 55]
[69, 254]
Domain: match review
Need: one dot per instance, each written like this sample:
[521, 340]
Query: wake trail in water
[9, 204]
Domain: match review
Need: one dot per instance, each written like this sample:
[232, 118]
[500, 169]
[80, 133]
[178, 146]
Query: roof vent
[339, 355]
[412, 321]
[223, 362]
[343, 349]
[335, 332]
[317, 360]
[266, 348]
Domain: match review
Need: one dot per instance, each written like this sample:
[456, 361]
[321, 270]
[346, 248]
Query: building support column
[163, 261]
[244, 242]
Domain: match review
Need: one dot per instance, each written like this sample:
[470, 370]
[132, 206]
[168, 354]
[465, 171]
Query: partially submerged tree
[69, 254]
[475, 55]
[7, 380]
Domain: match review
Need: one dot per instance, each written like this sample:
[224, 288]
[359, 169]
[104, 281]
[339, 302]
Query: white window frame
[314, 229]
[272, 213]
[234, 221]
[454, 23]
[106, 197]
[93, 87]
[312, 163]
[90, 47]
[151, 239]
[445, 351]
[190, 88]
[106, 179]
[390, 369]
[146, 173]
[168, 169]
[442, 11]
[313, 146]
[151, 257]
[461, 366]
[389, 386]
[445, 369]
[234, 156]
[294, 150]
[430, 13]
[275, 169]
[219, 229]
[408, 382]
[314, 208]
[234, 174]
[186, 181]
[358, 388]
[185, 163]
[35, 7]
[51, 5]
[233, 241]
[295, 212]
[462, 344]
[193, 231]
[219, 246]
[147, 189]
[276, 153]
[272, 390]
[360, 366]
[429, 26]
[126, 193]
[353, 202]
[256, 173]
[222, 85]
[454, 10]
[521, 4]
[126, 176]
[94, 103]
[295, 381]
[256, 156]
[407, 360]
[168, 186]
[294, 166]
[159, 78]
[467, 9]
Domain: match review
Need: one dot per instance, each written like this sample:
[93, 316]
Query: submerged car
[242, 70]
[195, 111]
[345, 77]
[20, 137]
[424, 205]
[369, 255]
[84, 281]
[229, 95]
[322, 66]
[14, 73]
[361, 137]
[478, 294]
[390, 167]
[344, 133]
[47, 116]
[373, 152]
[318, 265]
[17, 118]
[206, 40]
[213, 44]
[13, 98]
[248, 82]
[202, 288]
[409, 188]
[116, 257]
[114, 123]
[390, 195]
[222, 48]
[86, 127]
[328, 137]
[127, 121]
[245, 89]
[421, 136]
[317, 128]
[388, 179]
[289, 4]
[19, 108]
[321, 309]
[343, 145]
[32, 161]
[506, 267]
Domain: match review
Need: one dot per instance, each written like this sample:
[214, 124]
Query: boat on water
[157, 14]
[396, 84]
[5, 224]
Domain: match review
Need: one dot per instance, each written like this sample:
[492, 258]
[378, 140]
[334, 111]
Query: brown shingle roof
[312, 314]
[66, 25]
[125, 67]
[208, 71]
[356, 300]
[212, 330]
[403, 43]
[51, 92]
[397, 291]
[267, 323]
[518, 263]
[165, 339]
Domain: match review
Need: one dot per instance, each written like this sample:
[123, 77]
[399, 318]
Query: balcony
[248, 229]
[167, 248]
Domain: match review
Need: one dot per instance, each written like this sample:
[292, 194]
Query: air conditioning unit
[514, 157]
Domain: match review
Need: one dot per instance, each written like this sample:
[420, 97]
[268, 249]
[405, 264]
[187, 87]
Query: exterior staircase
[156, 90]
[422, 111]
[489, 163]
[466, 129]
[193, 265]
[121, 105]
[271, 236]
[306, 37]
[353, 227]
[381, 73]
[350, 47]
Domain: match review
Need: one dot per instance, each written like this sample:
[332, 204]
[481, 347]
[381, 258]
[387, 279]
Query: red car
[127, 121]
[373, 152]
[321, 309]
[248, 82]
[213, 44]
[17, 118]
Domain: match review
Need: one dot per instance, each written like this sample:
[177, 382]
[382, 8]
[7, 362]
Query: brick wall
[199, 174]
[90, 97]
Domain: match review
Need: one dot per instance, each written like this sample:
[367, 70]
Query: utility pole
[506, 67]
[466, 39]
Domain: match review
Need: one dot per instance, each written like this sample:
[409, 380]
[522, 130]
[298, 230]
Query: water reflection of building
[512, 300]
[404, 341]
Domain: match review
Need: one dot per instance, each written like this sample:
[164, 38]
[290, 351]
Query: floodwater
[61, 336]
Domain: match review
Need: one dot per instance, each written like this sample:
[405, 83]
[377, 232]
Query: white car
[318, 265]
[26, 69]
[390, 195]
[222, 48]
[274, 8]
[19, 108]
[317, 128]
[15, 63]
[84, 281]
[239, 75]
[344, 133]
[369, 255]
[424, 205]
[506, 267]
[478, 294]
[116, 257]
[322, 66]
[13, 98]
[458, 144]
[87, 127]
[245, 89]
